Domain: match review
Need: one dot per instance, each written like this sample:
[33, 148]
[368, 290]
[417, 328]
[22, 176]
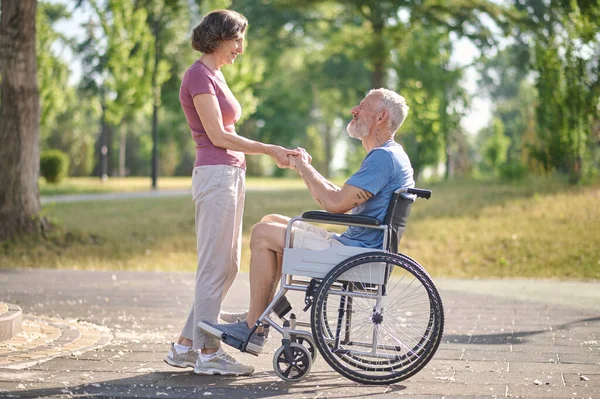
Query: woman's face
[230, 49]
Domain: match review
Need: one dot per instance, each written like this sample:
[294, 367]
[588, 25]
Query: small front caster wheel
[307, 343]
[294, 369]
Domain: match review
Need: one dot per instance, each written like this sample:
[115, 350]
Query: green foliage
[65, 119]
[128, 56]
[54, 165]
[433, 92]
[512, 171]
[53, 72]
[566, 52]
[308, 63]
[495, 145]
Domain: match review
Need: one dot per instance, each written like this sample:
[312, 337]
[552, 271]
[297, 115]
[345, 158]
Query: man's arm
[330, 197]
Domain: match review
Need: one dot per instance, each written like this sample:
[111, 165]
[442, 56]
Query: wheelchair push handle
[419, 192]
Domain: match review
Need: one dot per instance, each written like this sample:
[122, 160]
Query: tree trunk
[329, 141]
[445, 128]
[156, 99]
[20, 116]
[122, 150]
[103, 154]
[379, 52]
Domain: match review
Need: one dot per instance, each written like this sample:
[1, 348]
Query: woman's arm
[207, 107]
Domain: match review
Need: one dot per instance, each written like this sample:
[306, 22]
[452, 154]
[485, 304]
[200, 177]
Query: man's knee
[260, 232]
[274, 218]
[266, 235]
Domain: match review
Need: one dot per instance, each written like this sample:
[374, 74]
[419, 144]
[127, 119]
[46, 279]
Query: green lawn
[540, 228]
[90, 185]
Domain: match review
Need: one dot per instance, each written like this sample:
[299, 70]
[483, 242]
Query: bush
[513, 171]
[54, 165]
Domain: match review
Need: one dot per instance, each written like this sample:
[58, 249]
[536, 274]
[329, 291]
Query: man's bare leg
[266, 243]
[276, 218]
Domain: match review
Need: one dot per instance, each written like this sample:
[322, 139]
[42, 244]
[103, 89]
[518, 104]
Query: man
[368, 192]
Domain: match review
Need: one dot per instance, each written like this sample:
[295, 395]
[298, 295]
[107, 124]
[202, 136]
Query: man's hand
[297, 161]
[305, 154]
[294, 162]
[282, 155]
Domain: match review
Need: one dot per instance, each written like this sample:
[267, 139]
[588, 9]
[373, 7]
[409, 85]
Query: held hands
[282, 155]
[296, 161]
[290, 158]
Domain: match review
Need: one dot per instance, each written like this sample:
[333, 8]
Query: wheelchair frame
[294, 351]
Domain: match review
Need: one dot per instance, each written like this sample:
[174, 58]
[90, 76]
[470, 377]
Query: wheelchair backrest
[396, 218]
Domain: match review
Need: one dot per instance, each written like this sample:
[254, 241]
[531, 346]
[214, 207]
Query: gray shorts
[307, 236]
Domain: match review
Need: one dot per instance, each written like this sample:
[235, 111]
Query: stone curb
[10, 320]
[44, 338]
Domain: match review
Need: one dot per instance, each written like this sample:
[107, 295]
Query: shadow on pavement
[187, 384]
[516, 337]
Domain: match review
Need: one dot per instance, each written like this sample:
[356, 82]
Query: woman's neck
[211, 62]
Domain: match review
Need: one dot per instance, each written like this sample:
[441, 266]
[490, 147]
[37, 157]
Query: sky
[464, 53]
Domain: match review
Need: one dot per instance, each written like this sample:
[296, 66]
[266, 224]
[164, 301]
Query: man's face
[363, 116]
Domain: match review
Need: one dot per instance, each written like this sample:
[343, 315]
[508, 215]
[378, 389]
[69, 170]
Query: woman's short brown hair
[217, 27]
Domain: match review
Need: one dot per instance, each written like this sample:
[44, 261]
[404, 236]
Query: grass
[93, 185]
[541, 228]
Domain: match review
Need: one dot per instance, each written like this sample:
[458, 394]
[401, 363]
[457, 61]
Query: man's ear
[382, 118]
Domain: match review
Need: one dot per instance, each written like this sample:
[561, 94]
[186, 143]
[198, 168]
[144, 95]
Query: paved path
[113, 196]
[160, 193]
[494, 345]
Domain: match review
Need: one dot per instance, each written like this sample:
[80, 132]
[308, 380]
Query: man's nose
[354, 111]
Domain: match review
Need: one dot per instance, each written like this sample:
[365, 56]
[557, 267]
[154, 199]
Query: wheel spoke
[287, 371]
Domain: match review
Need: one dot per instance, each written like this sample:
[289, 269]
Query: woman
[218, 178]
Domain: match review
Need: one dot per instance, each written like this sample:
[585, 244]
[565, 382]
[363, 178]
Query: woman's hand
[280, 155]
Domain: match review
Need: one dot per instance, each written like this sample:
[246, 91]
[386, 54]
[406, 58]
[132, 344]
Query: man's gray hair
[396, 106]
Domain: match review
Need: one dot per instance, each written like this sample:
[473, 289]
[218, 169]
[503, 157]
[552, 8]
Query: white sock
[210, 356]
[182, 348]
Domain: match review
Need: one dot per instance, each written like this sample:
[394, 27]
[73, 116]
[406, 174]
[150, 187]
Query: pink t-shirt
[199, 79]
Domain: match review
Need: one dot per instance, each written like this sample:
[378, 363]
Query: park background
[504, 126]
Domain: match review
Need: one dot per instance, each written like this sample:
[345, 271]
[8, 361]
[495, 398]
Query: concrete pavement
[503, 338]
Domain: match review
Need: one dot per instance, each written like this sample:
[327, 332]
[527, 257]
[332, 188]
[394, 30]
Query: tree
[371, 33]
[494, 145]
[52, 71]
[164, 20]
[20, 116]
[565, 48]
[118, 59]
[378, 26]
[435, 96]
[504, 78]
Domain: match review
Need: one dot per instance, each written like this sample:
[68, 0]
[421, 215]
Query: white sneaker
[222, 364]
[187, 359]
[233, 317]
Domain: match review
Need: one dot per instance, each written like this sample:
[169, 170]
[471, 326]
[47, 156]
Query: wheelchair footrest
[236, 343]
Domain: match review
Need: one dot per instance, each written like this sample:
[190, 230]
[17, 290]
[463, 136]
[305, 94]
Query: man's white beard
[358, 130]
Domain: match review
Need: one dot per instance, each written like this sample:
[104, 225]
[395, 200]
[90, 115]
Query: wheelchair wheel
[377, 318]
[295, 368]
[306, 343]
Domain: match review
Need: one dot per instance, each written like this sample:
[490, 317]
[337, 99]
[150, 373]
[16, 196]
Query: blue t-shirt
[384, 170]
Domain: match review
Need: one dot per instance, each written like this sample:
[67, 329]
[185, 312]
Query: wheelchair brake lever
[309, 297]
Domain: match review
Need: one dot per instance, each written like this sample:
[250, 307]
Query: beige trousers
[218, 193]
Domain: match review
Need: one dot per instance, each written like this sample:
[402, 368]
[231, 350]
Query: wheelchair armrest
[341, 218]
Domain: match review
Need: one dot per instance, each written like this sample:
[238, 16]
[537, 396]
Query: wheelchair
[376, 316]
